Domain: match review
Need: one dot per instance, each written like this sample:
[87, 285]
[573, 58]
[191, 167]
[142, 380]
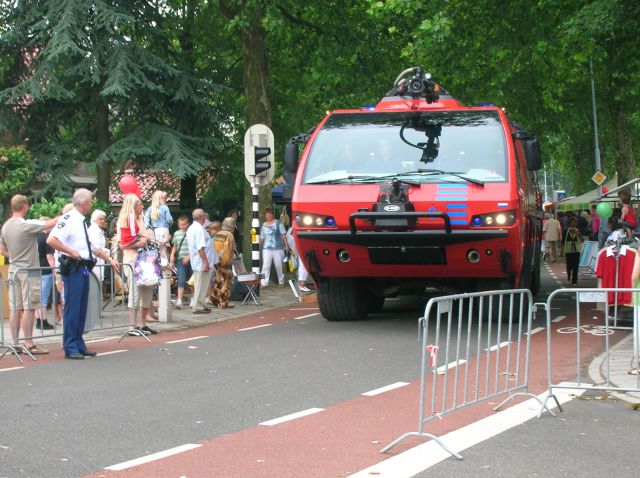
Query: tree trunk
[102, 139]
[255, 75]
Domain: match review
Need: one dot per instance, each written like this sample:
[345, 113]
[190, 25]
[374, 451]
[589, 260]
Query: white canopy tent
[584, 201]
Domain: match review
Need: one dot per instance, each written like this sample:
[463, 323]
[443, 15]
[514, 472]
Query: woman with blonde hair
[132, 236]
[158, 216]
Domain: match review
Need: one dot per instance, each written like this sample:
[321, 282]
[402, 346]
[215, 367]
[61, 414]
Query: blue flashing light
[477, 221]
[368, 108]
[330, 222]
[485, 104]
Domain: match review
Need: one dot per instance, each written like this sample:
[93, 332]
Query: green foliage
[15, 170]
[47, 208]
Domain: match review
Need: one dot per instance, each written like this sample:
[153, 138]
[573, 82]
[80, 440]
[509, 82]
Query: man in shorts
[19, 240]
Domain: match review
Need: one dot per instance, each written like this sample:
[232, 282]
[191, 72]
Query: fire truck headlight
[314, 220]
[506, 218]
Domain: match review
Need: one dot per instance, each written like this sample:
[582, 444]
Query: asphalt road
[65, 419]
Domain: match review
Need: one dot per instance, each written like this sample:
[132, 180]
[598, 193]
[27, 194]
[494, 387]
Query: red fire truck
[417, 191]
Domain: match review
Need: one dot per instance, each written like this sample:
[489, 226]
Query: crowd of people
[56, 256]
[564, 234]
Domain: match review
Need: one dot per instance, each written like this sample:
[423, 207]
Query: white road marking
[112, 352]
[187, 340]
[422, 457]
[152, 457]
[559, 318]
[306, 316]
[442, 368]
[10, 368]
[293, 416]
[305, 308]
[498, 346]
[256, 327]
[380, 390]
[100, 340]
[536, 330]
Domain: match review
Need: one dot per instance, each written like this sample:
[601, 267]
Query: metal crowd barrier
[586, 334]
[461, 366]
[110, 312]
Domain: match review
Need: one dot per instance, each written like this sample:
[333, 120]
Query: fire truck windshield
[451, 146]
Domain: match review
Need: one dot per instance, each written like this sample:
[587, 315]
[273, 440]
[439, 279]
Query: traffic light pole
[255, 227]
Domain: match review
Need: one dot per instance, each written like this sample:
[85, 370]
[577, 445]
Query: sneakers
[148, 330]
[178, 304]
[43, 325]
[304, 288]
[137, 331]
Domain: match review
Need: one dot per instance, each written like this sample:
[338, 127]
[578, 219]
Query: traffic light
[261, 164]
[258, 155]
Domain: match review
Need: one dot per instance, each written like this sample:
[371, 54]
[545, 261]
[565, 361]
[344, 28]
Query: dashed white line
[442, 368]
[559, 318]
[380, 390]
[536, 330]
[293, 416]
[306, 316]
[187, 340]
[112, 352]
[10, 368]
[256, 327]
[305, 308]
[152, 457]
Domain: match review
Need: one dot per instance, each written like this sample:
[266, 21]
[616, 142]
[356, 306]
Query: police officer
[71, 239]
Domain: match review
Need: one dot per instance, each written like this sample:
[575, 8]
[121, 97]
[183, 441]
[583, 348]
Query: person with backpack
[225, 246]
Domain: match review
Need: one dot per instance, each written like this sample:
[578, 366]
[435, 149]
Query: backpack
[222, 245]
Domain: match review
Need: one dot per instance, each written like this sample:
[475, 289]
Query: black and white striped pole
[258, 169]
[255, 228]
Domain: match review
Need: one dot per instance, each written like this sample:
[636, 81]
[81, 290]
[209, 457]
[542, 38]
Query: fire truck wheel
[375, 303]
[342, 299]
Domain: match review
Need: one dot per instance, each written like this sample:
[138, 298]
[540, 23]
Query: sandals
[34, 350]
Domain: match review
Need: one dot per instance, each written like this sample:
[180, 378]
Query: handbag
[292, 261]
[146, 268]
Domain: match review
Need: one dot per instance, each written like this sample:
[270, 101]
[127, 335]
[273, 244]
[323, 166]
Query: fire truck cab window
[356, 145]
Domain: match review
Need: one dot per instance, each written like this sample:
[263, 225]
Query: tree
[94, 87]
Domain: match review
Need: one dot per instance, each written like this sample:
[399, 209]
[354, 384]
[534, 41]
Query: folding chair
[588, 256]
[250, 280]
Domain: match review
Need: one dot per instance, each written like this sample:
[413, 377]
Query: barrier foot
[545, 407]
[424, 435]
[136, 332]
[14, 351]
[530, 395]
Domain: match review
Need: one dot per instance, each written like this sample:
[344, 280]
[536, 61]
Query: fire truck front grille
[409, 255]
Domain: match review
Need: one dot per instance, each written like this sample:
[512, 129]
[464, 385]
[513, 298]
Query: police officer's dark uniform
[72, 234]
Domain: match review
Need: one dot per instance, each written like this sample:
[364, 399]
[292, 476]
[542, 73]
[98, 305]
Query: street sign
[598, 178]
[259, 158]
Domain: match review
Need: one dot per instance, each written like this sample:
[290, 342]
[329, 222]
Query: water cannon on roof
[413, 82]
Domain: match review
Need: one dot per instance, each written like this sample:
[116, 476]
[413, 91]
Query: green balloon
[604, 210]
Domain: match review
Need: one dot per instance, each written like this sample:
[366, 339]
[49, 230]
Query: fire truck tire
[342, 299]
[375, 303]
[535, 273]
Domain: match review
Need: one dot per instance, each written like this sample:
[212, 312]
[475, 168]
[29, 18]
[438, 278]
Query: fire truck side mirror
[532, 153]
[290, 167]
